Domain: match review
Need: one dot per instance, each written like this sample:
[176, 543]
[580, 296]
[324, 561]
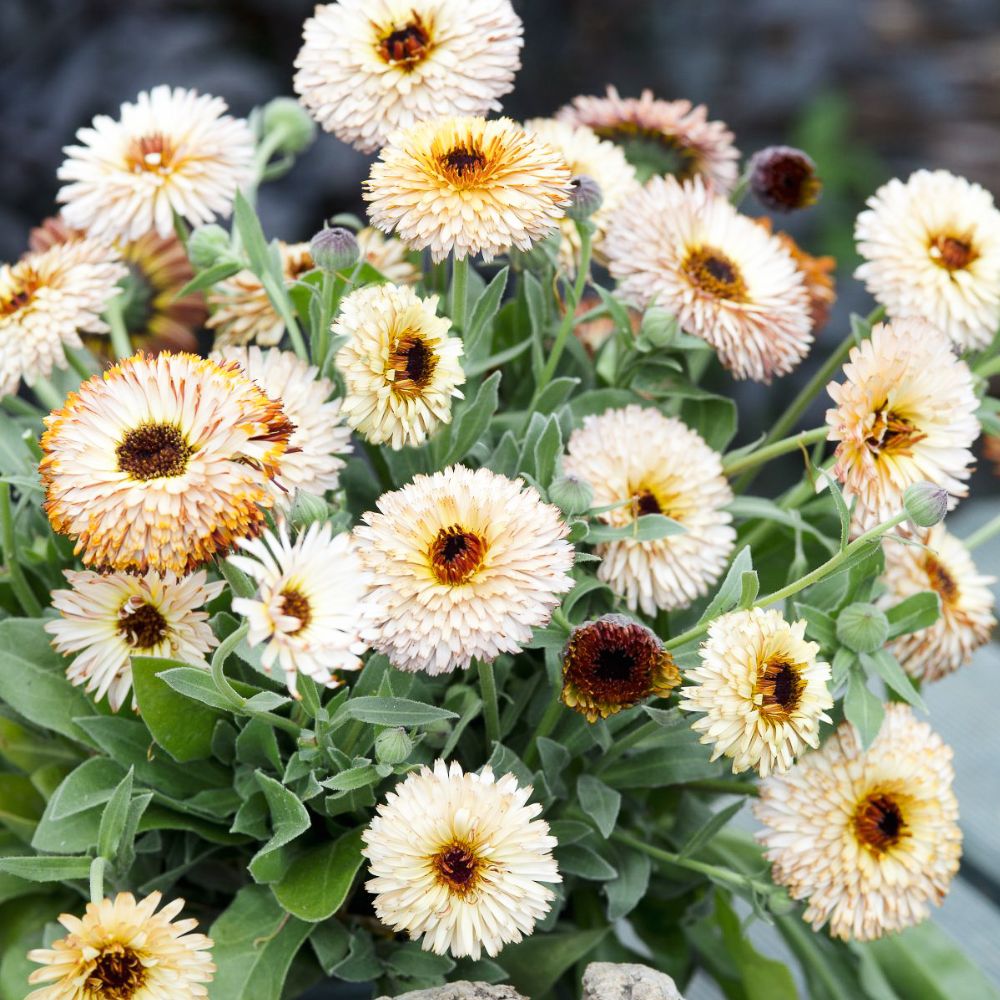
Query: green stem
[115, 318]
[723, 787]
[983, 534]
[78, 365]
[801, 941]
[20, 407]
[491, 708]
[379, 464]
[545, 726]
[47, 394]
[97, 868]
[321, 336]
[19, 583]
[987, 368]
[625, 743]
[295, 335]
[743, 463]
[219, 662]
[459, 292]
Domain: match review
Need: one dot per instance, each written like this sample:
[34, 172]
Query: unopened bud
[208, 245]
[307, 508]
[926, 504]
[287, 118]
[862, 628]
[393, 746]
[784, 178]
[571, 494]
[585, 197]
[659, 327]
[334, 249]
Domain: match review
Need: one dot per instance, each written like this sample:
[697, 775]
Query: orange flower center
[463, 164]
[142, 625]
[713, 273]
[118, 974]
[414, 363]
[458, 868]
[953, 253]
[153, 451]
[407, 46]
[151, 154]
[941, 581]
[295, 604]
[892, 433]
[456, 555]
[780, 687]
[20, 293]
[879, 822]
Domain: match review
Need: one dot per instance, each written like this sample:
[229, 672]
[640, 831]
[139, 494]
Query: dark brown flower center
[879, 822]
[892, 433]
[143, 625]
[953, 253]
[646, 503]
[463, 164]
[458, 868]
[406, 46]
[456, 555]
[118, 974]
[151, 154]
[941, 581]
[21, 291]
[715, 274]
[295, 604]
[153, 451]
[780, 687]
[414, 363]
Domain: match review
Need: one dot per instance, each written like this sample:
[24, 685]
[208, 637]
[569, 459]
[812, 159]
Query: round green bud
[926, 504]
[307, 508]
[862, 628]
[659, 327]
[571, 494]
[285, 117]
[393, 746]
[585, 198]
[209, 245]
[334, 249]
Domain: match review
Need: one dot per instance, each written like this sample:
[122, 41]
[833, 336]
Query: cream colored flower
[123, 950]
[46, 300]
[602, 161]
[459, 861]
[761, 688]
[401, 369]
[388, 256]
[942, 564]
[162, 462]
[108, 619]
[726, 279]
[463, 565]
[647, 463]
[173, 151]
[306, 608]
[242, 313]
[905, 413]
[661, 137]
[931, 249]
[867, 837]
[312, 460]
[468, 186]
[369, 67]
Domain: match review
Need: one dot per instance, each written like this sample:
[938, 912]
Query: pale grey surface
[462, 991]
[614, 981]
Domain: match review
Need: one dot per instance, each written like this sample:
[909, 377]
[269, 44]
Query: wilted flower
[784, 178]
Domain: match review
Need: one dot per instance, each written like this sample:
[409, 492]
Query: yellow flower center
[940, 580]
[879, 823]
[780, 688]
[407, 46]
[414, 363]
[456, 555]
[118, 974]
[652, 498]
[715, 274]
[953, 253]
[463, 165]
[458, 867]
[295, 604]
[142, 624]
[892, 433]
[153, 451]
[20, 293]
[151, 154]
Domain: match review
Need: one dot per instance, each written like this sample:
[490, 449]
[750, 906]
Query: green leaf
[394, 711]
[577, 859]
[289, 819]
[353, 777]
[762, 978]
[536, 963]
[211, 275]
[729, 592]
[820, 626]
[46, 869]
[412, 962]
[600, 803]
[471, 424]
[361, 964]
[316, 884]
[548, 449]
[646, 528]
[197, 685]
[862, 708]
[626, 892]
[483, 314]
[22, 748]
[89, 785]
[883, 664]
[21, 807]
[252, 235]
[759, 508]
[114, 818]
[915, 612]
[708, 830]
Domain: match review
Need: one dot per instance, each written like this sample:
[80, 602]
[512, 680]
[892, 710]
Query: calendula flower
[463, 564]
[124, 950]
[867, 837]
[312, 459]
[306, 608]
[614, 663]
[47, 299]
[388, 256]
[459, 861]
[588, 156]
[725, 278]
[942, 564]
[162, 462]
[401, 369]
[108, 619]
[905, 413]
[646, 463]
[931, 249]
[661, 137]
[173, 151]
[242, 313]
[155, 317]
[761, 689]
[368, 68]
[428, 178]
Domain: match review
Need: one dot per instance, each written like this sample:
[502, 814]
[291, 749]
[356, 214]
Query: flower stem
[47, 394]
[219, 662]
[115, 318]
[545, 726]
[491, 709]
[743, 463]
[380, 466]
[622, 744]
[19, 583]
[983, 534]
[459, 291]
[987, 368]
[97, 868]
[78, 365]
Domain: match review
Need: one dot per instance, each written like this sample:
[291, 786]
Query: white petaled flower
[123, 950]
[931, 249]
[602, 161]
[47, 299]
[401, 369]
[162, 462]
[368, 67]
[661, 137]
[173, 151]
[647, 463]
[726, 278]
[943, 565]
[464, 564]
[460, 861]
[467, 186]
[905, 413]
[312, 459]
[307, 606]
[761, 689]
[108, 619]
[867, 837]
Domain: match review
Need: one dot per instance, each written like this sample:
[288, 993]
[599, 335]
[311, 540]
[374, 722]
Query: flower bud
[393, 746]
[571, 494]
[784, 179]
[286, 117]
[926, 504]
[862, 628]
[334, 249]
[306, 509]
[659, 327]
[209, 245]
[585, 198]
